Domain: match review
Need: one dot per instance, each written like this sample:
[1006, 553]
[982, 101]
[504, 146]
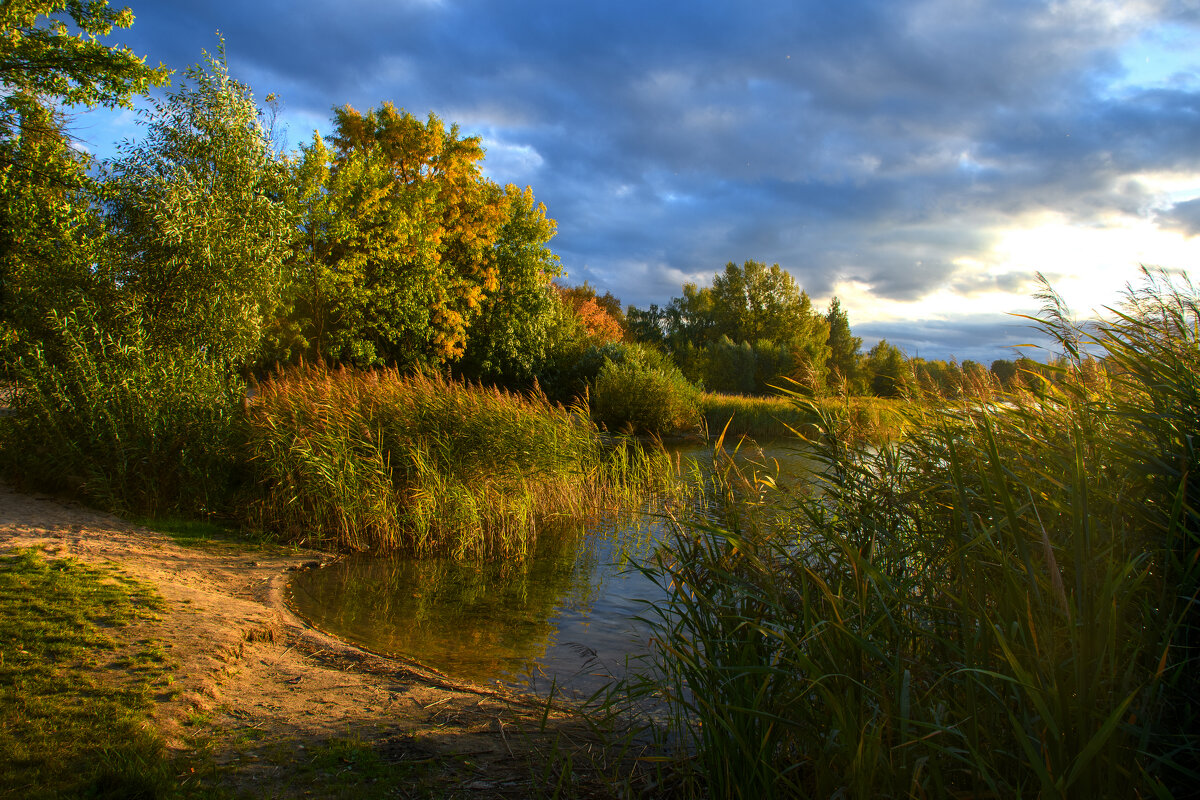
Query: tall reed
[381, 461]
[104, 416]
[1001, 604]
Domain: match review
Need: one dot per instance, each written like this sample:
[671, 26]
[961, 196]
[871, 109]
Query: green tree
[50, 237]
[689, 320]
[50, 233]
[201, 229]
[844, 349]
[50, 53]
[755, 302]
[399, 230]
[884, 366]
[646, 327]
[1005, 372]
[510, 339]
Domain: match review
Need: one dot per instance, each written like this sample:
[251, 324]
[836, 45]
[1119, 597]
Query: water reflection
[564, 615]
[568, 615]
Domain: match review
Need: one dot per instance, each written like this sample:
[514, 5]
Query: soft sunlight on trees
[50, 53]
[754, 320]
[400, 229]
[511, 337]
[200, 230]
[885, 364]
[844, 349]
[50, 236]
[50, 233]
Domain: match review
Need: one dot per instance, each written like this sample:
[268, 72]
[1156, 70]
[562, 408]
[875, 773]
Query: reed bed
[863, 419]
[384, 461]
[1001, 604]
[129, 428]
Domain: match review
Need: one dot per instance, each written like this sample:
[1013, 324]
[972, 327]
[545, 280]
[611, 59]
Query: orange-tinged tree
[399, 234]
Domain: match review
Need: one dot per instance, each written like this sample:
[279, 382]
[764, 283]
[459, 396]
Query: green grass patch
[860, 419]
[63, 730]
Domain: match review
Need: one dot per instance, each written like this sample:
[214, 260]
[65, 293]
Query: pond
[569, 616]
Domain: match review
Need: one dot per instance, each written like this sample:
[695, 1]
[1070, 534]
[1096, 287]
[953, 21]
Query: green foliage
[380, 461]
[50, 238]
[50, 231]
[643, 392]
[49, 51]
[844, 350]
[749, 303]
[399, 236]
[885, 366]
[200, 232]
[1001, 603]
[129, 427]
[646, 327]
[511, 339]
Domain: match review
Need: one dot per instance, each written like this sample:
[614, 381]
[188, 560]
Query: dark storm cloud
[868, 140]
[1183, 217]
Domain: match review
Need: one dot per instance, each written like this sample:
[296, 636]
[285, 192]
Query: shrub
[644, 393]
[127, 427]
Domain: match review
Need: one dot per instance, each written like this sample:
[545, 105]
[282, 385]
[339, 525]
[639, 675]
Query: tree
[511, 337]
[50, 235]
[754, 302]
[884, 366]
[646, 327]
[601, 317]
[50, 53]
[399, 231]
[1005, 372]
[844, 348]
[200, 226]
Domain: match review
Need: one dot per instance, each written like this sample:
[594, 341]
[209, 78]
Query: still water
[572, 614]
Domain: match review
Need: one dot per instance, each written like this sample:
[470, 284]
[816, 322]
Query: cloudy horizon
[922, 160]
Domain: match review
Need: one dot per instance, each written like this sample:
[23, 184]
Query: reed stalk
[384, 461]
[999, 604]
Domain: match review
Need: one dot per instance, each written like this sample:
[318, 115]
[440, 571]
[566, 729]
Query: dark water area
[567, 616]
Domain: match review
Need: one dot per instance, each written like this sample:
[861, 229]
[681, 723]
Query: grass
[866, 419]
[383, 461]
[999, 604]
[64, 731]
[127, 427]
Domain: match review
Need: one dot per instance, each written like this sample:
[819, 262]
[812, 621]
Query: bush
[644, 393]
[132, 429]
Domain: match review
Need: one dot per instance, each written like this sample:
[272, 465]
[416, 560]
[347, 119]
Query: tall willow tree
[200, 227]
[398, 239]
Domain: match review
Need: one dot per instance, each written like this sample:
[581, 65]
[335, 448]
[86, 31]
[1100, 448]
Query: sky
[922, 160]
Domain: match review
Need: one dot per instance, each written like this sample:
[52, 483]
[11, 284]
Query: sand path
[261, 685]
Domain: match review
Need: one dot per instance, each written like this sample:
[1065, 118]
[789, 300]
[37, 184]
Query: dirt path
[267, 689]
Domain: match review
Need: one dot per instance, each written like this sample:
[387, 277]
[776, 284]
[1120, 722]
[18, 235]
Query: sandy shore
[259, 681]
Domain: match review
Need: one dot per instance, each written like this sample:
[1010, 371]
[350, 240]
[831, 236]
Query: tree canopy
[50, 51]
[400, 228]
[201, 231]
